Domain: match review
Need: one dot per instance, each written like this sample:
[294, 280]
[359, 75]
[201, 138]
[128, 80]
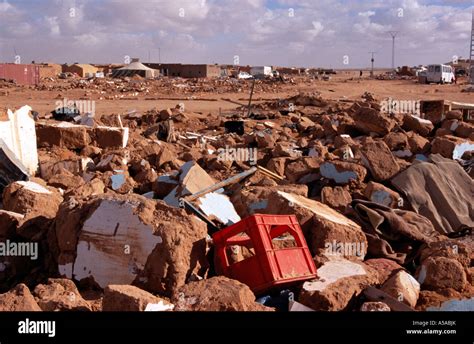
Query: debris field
[300, 203]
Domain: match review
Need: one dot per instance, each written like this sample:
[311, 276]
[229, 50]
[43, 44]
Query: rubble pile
[121, 214]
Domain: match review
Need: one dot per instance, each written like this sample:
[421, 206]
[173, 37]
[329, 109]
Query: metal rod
[190, 207]
[224, 183]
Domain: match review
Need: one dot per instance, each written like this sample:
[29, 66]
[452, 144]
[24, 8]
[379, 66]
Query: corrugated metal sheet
[23, 74]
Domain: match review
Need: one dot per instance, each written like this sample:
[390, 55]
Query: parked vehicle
[440, 73]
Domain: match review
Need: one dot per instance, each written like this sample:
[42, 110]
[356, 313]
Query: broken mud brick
[370, 120]
[304, 123]
[64, 135]
[254, 199]
[325, 229]
[343, 172]
[72, 136]
[464, 129]
[454, 114]
[403, 287]
[285, 149]
[92, 188]
[338, 197]
[374, 307]
[50, 166]
[381, 194]
[451, 147]
[109, 137]
[386, 268]
[338, 284]
[165, 184]
[301, 168]
[448, 249]
[8, 223]
[18, 299]
[437, 273]
[216, 294]
[278, 165]
[128, 298]
[379, 160]
[156, 153]
[419, 125]
[65, 180]
[418, 144]
[264, 140]
[31, 199]
[396, 141]
[318, 150]
[141, 248]
[60, 295]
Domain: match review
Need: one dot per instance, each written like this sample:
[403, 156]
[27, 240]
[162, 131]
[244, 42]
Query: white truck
[259, 71]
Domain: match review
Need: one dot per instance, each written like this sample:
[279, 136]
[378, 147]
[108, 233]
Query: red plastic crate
[269, 266]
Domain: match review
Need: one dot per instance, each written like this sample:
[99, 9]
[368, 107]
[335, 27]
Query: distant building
[83, 70]
[107, 68]
[22, 74]
[187, 70]
[49, 70]
[135, 68]
[288, 70]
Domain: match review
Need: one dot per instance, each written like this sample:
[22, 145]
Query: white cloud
[320, 32]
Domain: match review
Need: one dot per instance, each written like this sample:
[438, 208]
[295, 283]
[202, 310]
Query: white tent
[135, 68]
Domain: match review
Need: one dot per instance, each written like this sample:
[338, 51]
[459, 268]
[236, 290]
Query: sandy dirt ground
[346, 84]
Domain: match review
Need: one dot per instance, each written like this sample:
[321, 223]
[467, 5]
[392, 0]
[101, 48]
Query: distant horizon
[336, 34]
[278, 66]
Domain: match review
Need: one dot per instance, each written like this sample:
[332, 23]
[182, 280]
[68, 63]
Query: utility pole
[393, 34]
[372, 61]
[471, 54]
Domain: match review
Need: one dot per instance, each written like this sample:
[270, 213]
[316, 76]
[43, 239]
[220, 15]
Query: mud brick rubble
[101, 204]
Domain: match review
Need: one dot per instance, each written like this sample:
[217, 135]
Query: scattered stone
[338, 197]
[31, 199]
[18, 299]
[404, 287]
[451, 147]
[60, 295]
[343, 172]
[339, 283]
[385, 267]
[216, 294]
[142, 247]
[437, 273]
[419, 125]
[375, 307]
[369, 120]
[128, 298]
[379, 160]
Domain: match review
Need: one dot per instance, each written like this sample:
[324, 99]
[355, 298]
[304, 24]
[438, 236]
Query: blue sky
[328, 33]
